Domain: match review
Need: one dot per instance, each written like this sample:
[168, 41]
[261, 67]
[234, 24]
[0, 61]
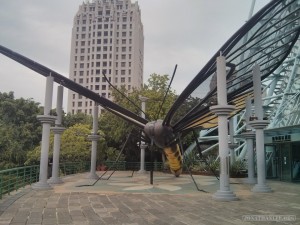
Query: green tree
[70, 120]
[75, 146]
[20, 131]
[116, 129]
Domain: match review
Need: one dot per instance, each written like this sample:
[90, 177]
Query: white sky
[183, 32]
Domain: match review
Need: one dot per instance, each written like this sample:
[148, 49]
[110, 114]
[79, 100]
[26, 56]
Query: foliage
[116, 129]
[70, 120]
[112, 154]
[20, 131]
[237, 168]
[211, 164]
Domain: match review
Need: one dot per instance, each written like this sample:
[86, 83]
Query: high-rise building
[107, 37]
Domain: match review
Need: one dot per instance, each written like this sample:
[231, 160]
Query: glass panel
[271, 161]
[285, 162]
[296, 161]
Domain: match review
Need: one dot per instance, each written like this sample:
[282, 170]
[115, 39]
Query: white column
[57, 130]
[143, 145]
[94, 138]
[222, 110]
[259, 124]
[232, 145]
[46, 121]
[249, 135]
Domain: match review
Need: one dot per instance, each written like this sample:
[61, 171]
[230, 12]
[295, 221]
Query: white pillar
[232, 145]
[46, 121]
[94, 138]
[249, 135]
[259, 124]
[222, 110]
[57, 130]
[143, 145]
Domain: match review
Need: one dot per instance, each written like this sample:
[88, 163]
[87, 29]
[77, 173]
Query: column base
[263, 188]
[53, 180]
[142, 171]
[41, 186]
[250, 180]
[224, 196]
[92, 176]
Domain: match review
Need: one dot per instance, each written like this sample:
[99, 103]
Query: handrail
[16, 178]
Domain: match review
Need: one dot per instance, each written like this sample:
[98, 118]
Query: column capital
[57, 130]
[259, 124]
[143, 99]
[233, 145]
[144, 146]
[248, 135]
[222, 110]
[93, 137]
[46, 119]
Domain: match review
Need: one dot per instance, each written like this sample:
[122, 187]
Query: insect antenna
[166, 94]
[121, 93]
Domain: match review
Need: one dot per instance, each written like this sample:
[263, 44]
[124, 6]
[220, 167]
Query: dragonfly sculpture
[266, 39]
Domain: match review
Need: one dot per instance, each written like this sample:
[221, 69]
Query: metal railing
[13, 179]
[16, 178]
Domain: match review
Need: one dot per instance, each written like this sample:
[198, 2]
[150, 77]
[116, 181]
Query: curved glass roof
[266, 39]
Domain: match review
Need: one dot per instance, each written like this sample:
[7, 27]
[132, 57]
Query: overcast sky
[183, 32]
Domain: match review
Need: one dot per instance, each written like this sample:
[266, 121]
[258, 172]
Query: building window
[80, 81]
[123, 64]
[79, 104]
[123, 80]
[104, 56]
[124, 26]
[123, 41]
[81, 73]
[98, 56]
[123, 49]
[122, 72]
[123, 34]
[96, 87]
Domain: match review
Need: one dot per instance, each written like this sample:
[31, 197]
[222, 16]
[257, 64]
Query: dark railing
[13, 179]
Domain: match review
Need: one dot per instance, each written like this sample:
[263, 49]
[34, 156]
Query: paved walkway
[132, 201]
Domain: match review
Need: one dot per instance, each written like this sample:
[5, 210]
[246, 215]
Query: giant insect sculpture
[266, 39]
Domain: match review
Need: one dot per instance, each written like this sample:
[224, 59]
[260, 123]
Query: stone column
[249, 135]
[46, 121]
[232, 144]
[222, 110]
[143, 145]
[57, 130]
[94, 138]
[259, 124]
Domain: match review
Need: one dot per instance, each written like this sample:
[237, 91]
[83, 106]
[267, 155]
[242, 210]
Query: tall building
[107, 37]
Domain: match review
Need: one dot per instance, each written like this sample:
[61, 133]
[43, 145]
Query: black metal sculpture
[266, 39]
